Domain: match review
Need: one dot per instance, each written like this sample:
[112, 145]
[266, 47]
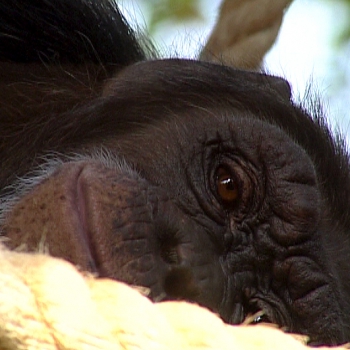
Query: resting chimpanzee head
[196, 180]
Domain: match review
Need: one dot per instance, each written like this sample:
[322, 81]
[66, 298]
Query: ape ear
[275, 84]
[279, 85]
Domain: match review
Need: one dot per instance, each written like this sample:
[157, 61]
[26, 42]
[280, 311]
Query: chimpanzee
[196, 180]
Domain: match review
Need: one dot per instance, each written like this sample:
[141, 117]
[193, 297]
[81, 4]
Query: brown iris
[226, 184]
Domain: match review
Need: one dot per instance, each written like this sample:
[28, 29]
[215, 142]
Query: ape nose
[185, 249]
[168, 245]
[173, 236]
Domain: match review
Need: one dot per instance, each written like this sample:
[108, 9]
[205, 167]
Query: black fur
[43, 31]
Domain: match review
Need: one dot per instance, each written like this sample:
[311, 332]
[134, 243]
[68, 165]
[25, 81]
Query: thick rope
[245, 31]
[47, 304]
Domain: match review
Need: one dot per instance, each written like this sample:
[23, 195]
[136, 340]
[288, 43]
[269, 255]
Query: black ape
[196, 180]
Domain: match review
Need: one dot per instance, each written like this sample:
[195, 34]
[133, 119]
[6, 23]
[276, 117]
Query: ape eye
[257, 317]
[260, 319]
[226, 186]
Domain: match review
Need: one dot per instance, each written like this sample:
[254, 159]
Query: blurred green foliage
[173, 10]
[344, 35]
[177, 11]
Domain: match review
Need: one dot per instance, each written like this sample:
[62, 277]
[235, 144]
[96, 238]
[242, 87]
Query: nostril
[168, 250]
[168, 243]
[179, 283]
[169, 255]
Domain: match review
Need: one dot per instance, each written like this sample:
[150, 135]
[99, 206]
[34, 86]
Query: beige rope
[47, 304]
[245, 31]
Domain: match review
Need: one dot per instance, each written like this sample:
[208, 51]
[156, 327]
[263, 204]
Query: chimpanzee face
[197, 183]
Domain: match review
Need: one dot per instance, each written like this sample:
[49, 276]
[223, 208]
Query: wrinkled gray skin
[124, 182]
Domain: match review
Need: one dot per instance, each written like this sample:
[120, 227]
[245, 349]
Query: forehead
[188, 139]
[147, 93]
[180, 83]
[177, 100]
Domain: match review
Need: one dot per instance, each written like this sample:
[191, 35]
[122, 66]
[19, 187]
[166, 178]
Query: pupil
[226, 187]
[258, 319]
[230, 186]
